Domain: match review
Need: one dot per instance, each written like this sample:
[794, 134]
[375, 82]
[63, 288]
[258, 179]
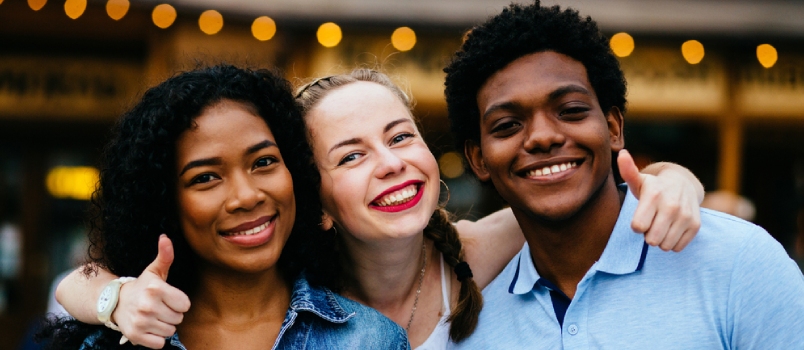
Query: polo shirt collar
[624, 253]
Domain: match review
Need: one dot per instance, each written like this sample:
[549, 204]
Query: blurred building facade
[736, 124]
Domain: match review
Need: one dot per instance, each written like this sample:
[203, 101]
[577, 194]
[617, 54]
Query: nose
[543, 133]
[388, 163]
[244, 194]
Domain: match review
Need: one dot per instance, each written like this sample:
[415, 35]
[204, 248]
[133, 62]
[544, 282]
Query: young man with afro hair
[536, 98]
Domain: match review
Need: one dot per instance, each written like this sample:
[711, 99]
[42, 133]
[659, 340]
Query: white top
[440, 337]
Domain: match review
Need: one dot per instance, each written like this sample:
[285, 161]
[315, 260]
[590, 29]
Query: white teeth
[250, 231]
[398, 197]
[551, 170]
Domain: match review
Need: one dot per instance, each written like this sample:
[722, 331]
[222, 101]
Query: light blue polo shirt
[733, 287]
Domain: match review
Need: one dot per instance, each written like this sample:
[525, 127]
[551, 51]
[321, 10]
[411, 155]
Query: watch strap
[118, 283]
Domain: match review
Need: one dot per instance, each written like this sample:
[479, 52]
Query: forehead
[534, 75]
[223, 123]
[353, 109]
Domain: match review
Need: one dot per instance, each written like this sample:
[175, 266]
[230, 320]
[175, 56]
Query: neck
[227, 297]
[564, 251]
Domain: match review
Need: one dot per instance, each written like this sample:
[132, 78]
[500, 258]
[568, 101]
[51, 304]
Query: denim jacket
[320, 319]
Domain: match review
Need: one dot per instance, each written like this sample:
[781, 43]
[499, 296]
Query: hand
[149, 309]
[668, 210]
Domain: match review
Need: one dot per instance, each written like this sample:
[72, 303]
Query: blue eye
[349, 157]
[401, 137]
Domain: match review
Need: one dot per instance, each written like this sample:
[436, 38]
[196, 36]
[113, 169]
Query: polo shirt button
[572, 329]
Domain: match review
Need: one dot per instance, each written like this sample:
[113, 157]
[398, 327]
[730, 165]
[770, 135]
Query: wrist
[107, 302]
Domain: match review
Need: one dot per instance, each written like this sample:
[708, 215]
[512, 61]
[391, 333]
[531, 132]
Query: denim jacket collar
[318, 301]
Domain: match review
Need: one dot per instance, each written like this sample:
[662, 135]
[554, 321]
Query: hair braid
[464, 314]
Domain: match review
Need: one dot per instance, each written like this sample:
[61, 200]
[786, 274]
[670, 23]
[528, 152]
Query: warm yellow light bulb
[163, 16]
[693, 51]
[329, 34]
[72, 182]
[767, 55]
[75, 8]
[263, 28]
[117, 9]
[622, 44]
[37, 5]
[403, 38]
[210, 22]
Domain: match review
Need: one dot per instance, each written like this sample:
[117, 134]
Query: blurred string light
[37, 5]
[72, 182]
[210, 22]
[693, 51]
[329, 34]
[622, 44]
[403, 38]
[263, 28]
[75, 8]
[451, 165]
[767, 55]
[163, 15]
[117, 9]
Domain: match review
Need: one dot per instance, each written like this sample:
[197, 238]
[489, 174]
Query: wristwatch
[107, 301]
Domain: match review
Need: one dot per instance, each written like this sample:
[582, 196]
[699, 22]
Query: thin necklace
[419, 289]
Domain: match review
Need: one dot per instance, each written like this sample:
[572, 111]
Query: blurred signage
[661, 81]
[76, 88]
[776, 92]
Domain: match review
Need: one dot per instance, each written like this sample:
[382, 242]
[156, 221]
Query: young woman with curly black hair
[216, 159]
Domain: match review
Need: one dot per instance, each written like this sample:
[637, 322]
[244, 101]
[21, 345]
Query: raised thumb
[164, 258]
[629, 171]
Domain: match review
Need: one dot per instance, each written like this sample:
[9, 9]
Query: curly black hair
[136, 200]
[516, 32]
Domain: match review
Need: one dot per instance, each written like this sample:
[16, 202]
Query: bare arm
[670, 196]
[148, 309]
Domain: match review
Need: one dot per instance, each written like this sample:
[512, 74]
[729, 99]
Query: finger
[643, 216]
[629, 172]
[672, 237]
[164, 258]
[149, 341]
[658, 230]
[176, 300]
[689, 233]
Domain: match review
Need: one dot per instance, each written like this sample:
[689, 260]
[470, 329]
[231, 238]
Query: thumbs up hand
[669, 202]
[149, 309]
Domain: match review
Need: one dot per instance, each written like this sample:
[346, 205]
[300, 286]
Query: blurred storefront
[738, 125]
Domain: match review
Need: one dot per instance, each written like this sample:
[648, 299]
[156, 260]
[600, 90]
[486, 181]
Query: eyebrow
[354, 141]
[218, 161]
[554, 95]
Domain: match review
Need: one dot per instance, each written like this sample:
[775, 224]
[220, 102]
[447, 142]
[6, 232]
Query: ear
[475, 158]
[614, 119]
[326, 222]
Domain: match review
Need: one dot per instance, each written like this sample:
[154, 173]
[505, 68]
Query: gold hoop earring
[442, 206]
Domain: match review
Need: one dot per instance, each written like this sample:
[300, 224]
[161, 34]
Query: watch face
[103, 300]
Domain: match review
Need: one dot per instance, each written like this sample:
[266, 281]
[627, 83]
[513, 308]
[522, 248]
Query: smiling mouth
[401, 196]
[554, 169]
[251, 231]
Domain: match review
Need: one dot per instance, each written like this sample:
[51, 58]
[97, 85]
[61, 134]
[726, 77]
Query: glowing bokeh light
[210, 22]
[451, 165]
[117, 9]
[75, 8]
[263, 28]
[767, 55]
[693, 51]
[329, 34]
[72, 182]
[164, 15]
[403, 38]
[622, 44]
[37, 5]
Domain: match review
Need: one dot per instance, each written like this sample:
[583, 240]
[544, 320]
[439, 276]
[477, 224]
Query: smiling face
[378, 178]
[235, 195]
[545, 143]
